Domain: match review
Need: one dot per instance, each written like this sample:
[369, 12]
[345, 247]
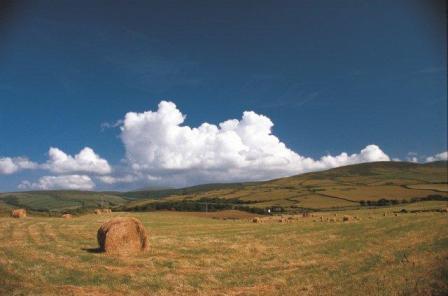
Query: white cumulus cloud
[86, 161]
[74, 182]
[157, 143]
[118, 179]
[440, 156]
[10, 165]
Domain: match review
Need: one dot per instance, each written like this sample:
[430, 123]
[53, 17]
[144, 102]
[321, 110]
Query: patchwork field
[343, 187]
[208, 254]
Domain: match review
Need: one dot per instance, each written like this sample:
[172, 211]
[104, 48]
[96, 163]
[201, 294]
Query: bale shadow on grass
[93, 250]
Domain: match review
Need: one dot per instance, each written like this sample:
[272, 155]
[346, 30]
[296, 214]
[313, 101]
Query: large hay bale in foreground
[18, 213]
[123, 236]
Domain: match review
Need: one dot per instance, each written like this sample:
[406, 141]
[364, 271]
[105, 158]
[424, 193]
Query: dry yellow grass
[228, 214]
[190, 255]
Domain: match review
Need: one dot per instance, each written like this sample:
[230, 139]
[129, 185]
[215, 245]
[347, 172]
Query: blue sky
[332, 76]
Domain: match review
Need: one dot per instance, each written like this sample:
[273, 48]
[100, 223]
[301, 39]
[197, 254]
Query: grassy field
[205, 254]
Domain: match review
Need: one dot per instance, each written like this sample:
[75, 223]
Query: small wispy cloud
[108, 125]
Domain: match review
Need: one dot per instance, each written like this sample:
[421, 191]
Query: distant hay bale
[332, 220]
[123, 236]
[103, 211]
[67, 216]
[346, 218]
[445, 210]
[256, 220]
[18, 213]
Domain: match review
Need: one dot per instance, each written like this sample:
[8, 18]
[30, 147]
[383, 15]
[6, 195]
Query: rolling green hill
[367, 184]
[158, 194]
[379, 183]
[61, 200]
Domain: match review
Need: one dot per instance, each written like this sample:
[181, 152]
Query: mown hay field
[192, 254]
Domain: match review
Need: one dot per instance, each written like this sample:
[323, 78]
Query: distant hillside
[158, 194]
[367, 184]
[351, 186]
[61, 200]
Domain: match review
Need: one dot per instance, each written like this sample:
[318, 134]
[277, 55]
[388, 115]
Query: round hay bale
[18, 213]
[67, 216]
[98, 211]
[123, 236]
[346, 218]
